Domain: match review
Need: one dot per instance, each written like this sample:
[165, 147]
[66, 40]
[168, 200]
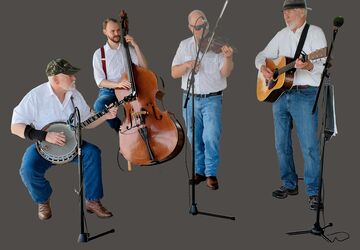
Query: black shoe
[314, 203]
[283, 192]
[198, 179]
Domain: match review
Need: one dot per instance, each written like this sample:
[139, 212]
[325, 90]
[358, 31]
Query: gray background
[151, 204]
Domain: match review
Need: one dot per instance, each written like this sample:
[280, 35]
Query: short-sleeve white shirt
[41, 106]
[208, 79]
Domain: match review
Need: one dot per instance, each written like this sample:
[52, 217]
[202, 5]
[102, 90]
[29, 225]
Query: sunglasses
[200, 26]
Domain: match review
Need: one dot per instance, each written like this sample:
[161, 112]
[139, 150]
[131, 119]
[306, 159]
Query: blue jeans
[207, 132]
[295, 107]
[107, 96]
[33, 168]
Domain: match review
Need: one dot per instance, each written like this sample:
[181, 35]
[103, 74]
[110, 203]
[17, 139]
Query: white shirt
[116, 64]
[41, 106]
[208, 79]
[285, 43]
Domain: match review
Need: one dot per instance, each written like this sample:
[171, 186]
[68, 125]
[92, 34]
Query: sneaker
[314, 203]
[283, 192]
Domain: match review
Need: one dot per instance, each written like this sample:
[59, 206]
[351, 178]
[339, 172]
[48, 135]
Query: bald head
[197, 22]
[194, 15]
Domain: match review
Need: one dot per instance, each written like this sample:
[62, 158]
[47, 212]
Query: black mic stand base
[85, 237]
[195, 211]
[316, 230]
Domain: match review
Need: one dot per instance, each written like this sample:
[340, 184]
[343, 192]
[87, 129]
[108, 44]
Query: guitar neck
[320, 53]
[287, 67]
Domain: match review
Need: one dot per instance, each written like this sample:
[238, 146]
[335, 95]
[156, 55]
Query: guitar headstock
[317, 54]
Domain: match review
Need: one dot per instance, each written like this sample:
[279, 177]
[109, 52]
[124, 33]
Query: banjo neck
[98, 115]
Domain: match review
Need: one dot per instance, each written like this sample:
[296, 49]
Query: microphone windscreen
[338, 21]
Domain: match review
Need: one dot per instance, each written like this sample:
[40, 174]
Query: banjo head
[54, 153]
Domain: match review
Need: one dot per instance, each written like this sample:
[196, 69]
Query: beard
[114, 39]
[293, 24]
[68, 88]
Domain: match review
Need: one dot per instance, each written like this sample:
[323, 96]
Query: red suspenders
[103, 61]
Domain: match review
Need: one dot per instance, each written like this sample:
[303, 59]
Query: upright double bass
[147, 136]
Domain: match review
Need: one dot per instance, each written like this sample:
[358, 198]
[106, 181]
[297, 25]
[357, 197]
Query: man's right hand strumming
[267, 73]
[56, 138]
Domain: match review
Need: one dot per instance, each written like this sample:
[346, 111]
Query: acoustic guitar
[283, 76]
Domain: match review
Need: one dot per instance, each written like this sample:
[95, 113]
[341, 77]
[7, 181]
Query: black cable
[335, 238]
[346, 237]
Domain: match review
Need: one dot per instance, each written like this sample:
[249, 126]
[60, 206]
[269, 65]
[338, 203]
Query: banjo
[63, 154]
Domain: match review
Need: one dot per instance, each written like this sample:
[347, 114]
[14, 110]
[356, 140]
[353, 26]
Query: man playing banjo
[54, 101]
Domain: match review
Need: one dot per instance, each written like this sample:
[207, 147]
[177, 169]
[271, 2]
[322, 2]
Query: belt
[296, 87]
[208, 95]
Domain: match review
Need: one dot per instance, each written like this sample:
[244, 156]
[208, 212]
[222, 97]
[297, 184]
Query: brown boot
[198, 179]
[44, 210]
[97, 208]
[212, 182]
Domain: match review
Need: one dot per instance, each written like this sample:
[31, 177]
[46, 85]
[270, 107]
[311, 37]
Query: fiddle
[215, 45]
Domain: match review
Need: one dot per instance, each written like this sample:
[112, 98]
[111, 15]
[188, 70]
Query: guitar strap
[301, 41]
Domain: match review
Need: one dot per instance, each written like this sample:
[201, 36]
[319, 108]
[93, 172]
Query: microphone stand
[317, 228]
[193, 209]
[84, 236]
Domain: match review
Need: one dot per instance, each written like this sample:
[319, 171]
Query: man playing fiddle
[210, 81]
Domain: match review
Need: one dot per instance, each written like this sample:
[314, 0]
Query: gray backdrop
[151, 204]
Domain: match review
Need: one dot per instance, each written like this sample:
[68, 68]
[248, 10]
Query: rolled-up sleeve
[99, 74]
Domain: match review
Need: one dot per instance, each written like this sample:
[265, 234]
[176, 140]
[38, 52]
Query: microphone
[204, 25]
[338, 22]
[70, 121]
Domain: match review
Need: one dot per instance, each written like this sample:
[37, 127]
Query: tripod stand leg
[299, 232]
[218, 215]
[101, 234]
[326, 238]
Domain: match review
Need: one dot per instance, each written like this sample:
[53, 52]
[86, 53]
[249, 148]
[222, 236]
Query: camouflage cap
[60, 66]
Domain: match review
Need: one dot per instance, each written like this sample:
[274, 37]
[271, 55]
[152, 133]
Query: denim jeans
[295, 107]
[105, 97]
[33, 168]
[207, 132]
